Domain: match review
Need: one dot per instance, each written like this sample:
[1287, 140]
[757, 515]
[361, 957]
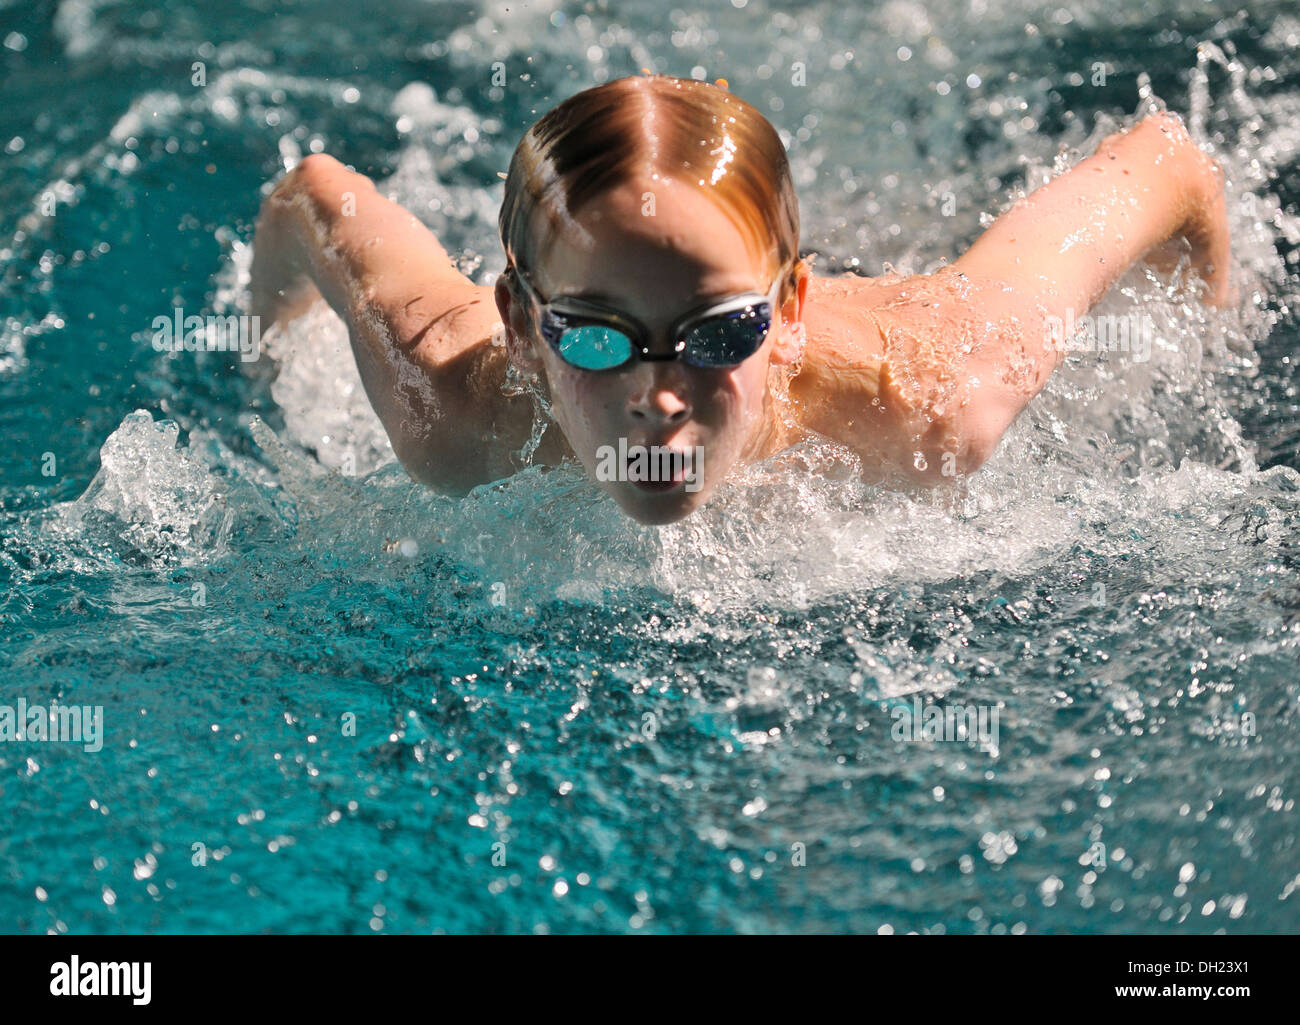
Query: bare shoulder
[840, 312]
[845, 345]
[918, 326]
[885, 365]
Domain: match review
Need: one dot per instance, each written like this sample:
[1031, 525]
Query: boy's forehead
[670, 231]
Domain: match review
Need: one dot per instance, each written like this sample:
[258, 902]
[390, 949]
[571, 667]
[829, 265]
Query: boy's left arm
[1046, 262]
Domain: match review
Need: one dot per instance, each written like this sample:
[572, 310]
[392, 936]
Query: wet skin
[919, 375]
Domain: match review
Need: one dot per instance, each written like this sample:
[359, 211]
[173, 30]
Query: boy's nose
[657, 394]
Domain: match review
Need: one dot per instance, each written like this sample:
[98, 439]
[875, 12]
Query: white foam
[320, 391]
[167, 502]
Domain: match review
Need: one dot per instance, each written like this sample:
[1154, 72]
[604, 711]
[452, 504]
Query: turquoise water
[333, 701]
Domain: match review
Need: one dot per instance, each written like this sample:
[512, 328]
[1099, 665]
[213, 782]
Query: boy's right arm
[420, 329]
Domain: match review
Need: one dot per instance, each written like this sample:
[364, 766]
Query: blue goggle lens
[593, 347]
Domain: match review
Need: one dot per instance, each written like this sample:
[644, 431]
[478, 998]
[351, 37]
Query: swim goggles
[590, 336]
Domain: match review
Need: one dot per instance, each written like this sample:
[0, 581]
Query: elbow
[415, 450]
[305, 178]
[315, 171]
[315, 164]
[976, 450]
[319, 185]
[959, 445]
[439, 463]
[960, 457]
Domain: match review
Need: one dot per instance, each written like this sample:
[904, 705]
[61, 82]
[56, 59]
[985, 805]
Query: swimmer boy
[654, 292]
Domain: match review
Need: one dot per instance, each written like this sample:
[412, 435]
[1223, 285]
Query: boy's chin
[656, 509]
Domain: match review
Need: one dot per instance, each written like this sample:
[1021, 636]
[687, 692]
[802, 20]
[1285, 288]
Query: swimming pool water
[335, 701]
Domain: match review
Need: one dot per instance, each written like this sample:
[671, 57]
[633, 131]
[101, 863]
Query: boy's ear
[519, 344]
[790, 343]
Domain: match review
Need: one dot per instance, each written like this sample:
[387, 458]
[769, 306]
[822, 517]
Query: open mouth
[658, 468]
[656, 485]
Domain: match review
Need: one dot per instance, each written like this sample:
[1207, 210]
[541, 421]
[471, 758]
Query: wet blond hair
[680, 128]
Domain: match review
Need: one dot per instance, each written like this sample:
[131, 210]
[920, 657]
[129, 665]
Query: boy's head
[657, 199]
